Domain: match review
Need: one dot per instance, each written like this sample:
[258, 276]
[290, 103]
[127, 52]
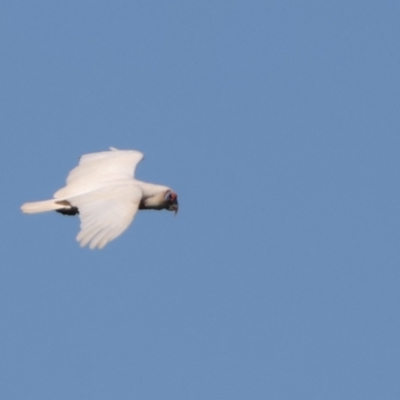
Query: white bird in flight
[102, 189]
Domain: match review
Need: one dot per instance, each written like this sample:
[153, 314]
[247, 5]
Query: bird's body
[103, 191]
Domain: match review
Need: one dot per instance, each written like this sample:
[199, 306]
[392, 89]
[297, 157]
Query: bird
[103, 192]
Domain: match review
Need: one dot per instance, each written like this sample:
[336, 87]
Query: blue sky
[277, 122]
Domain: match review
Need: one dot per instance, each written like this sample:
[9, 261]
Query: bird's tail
[41, 206]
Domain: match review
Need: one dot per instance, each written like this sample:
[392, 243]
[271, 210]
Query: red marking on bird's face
[170, 196]
[173, 196]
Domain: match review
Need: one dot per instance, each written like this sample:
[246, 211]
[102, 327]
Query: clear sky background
[277, 122]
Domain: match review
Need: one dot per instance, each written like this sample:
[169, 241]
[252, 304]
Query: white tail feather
[41, 206]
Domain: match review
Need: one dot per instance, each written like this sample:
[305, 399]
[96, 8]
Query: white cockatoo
[102, 189]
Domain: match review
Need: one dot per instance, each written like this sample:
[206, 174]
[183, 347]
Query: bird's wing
[96, 170]
[106, 212]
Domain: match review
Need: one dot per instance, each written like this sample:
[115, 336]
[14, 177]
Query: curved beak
[172, 202]
[175, 206]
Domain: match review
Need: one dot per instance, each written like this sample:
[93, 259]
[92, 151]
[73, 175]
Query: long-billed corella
[102, 189]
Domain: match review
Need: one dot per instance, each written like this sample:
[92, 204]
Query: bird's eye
[168, 196]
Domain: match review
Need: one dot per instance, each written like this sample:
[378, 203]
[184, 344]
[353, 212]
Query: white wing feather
[106, 212]
[97, 170]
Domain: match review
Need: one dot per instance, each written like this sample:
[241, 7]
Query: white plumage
[103, 190]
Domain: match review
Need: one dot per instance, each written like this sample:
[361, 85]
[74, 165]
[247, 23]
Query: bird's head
[171, 201]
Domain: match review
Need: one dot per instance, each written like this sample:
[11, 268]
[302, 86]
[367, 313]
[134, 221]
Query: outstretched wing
[106, 212]
[97, 170]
